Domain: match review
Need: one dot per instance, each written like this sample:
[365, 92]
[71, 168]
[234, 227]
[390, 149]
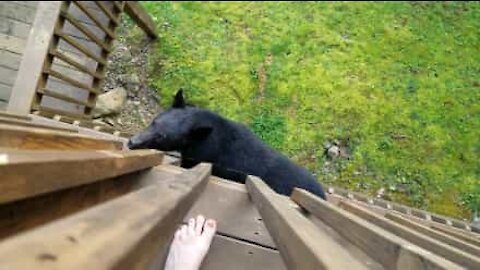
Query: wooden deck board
[29, 173]
[229, 253]
[236, 215]
[130, 232]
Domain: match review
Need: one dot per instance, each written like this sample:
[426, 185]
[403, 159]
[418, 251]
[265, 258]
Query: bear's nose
[133, 143]
[130, 144]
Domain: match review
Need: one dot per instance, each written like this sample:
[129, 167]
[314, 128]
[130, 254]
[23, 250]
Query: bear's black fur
[203, 136]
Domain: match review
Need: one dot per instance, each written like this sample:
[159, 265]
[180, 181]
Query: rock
[333, 152]
[110, 102]
[380, 193]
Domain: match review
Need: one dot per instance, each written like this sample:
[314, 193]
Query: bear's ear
[179, 101]
[200, 133]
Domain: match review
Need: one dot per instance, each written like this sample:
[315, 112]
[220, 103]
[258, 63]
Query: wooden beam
[236, 215]
[388, 249]
[33, 60]
[71, 81]
[14, 116]
[48, 110]
[85, 30]
[23, 215]
[31, 124]
[450, 240]
[458, 233]
[81, 47]
[69, 60]
[131, 232]
[90, 15]
[240, 255]
[27, 173]
[50, 93]
[107, 12]
[64, 121]
[449, 253]
[301, 244]
[40, 139]
[141, 17]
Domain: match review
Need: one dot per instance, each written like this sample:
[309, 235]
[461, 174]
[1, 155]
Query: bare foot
[191, 244]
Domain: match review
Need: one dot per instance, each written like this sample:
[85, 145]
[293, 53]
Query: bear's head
[174, 129]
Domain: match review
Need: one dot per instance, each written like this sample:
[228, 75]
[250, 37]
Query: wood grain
[445, 251]
[41, 139]
[28, 173]
[299, 241]
[130, 232]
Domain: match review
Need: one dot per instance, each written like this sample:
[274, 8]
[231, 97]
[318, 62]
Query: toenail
[211, 223]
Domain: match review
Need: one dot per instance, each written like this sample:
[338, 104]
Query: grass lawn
[397, 83]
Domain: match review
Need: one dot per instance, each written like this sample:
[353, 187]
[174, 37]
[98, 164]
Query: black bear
[204, 136]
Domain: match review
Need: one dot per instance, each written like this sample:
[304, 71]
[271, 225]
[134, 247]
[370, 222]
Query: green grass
[399, 82]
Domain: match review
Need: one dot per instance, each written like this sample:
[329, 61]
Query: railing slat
[450, 240]
[27, 173]
[31, 124]
[301, 244]
[63, 97]
[130, 232]
[85, 31]
[41, 139]
[87, 12]
[445, 251]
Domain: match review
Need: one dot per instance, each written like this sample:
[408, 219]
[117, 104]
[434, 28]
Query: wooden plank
[29, 213]
[14, 28]
[32, 4]
[5, 91]
[85, 30]
[14, 116]
[3, 105]
[73, 62]
[117, 5]
[10, 60]
[107, 12]
[75, 54]
[30, 124]
[30, 71]
[50, 93]
[450, 253]
[94, 18]
[41, 139]
[64, 121]
[141, 17]
[239, 255]
[12, 44]
[396, 253]
[7, 76]
[299, 241]
[71, 81]
[59, 112]
[84, 18]
[460, 234]
[22, 170]
[101, 69]
[236, 215]
[17, 11]
[79, 46]
[131, 232]
[474, 250]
